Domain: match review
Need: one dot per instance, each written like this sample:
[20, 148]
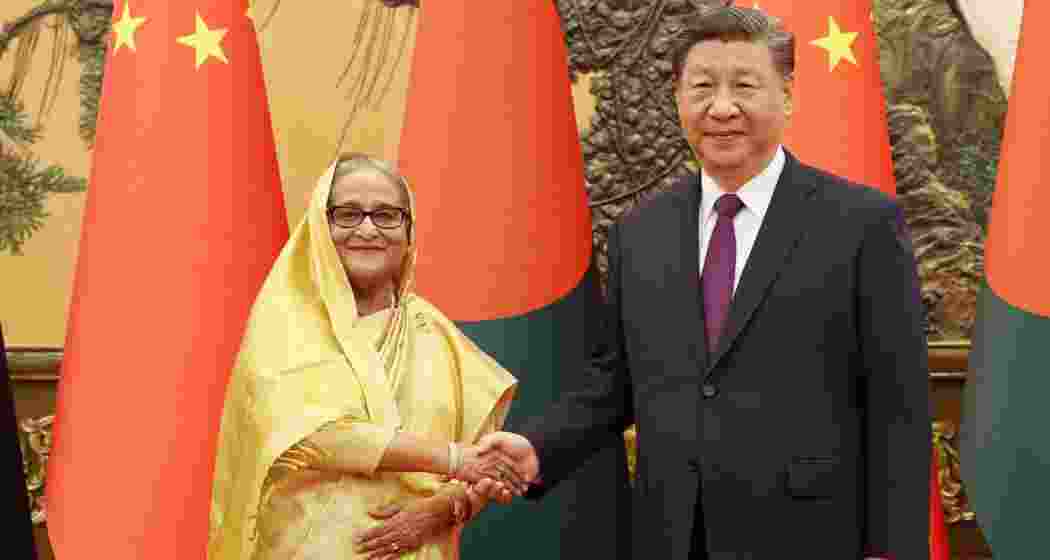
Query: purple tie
[720, 269]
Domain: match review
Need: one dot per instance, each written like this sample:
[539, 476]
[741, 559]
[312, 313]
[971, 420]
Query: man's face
[734, 106]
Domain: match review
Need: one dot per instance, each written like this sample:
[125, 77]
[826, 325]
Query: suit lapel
[782, 229]
[686, 227]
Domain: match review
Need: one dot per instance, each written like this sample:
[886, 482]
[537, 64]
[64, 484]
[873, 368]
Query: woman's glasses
[352, 216]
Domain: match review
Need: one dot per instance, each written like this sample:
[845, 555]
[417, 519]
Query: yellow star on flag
[206, 42]
[124, 29]
[837, 44]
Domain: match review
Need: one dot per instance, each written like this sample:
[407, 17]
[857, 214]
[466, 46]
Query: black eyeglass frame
[406, 217]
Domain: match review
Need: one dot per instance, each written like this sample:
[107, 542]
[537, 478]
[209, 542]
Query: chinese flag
[938, 534]
[184, 217]
[839, 119]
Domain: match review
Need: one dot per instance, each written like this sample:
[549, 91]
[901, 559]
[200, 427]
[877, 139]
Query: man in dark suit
[765, 333]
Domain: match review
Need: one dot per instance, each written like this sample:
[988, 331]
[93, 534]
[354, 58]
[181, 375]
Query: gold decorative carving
[30, 363]
[35, 440]
[630, 438]
[953, 493]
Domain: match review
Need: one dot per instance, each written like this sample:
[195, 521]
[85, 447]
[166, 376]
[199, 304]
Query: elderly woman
[352, 399]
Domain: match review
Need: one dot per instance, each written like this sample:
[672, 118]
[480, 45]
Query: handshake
[502, 465]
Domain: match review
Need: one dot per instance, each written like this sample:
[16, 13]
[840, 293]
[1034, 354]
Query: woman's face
[371, 255]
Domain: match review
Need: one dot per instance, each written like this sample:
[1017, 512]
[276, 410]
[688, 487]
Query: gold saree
[309, 362]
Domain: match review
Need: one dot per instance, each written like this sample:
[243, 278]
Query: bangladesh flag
[1005, 448]
[491, 147]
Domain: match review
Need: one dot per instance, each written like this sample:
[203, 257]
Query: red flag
[491, 144]
[184, 217]
[839, 120]
[938, 534]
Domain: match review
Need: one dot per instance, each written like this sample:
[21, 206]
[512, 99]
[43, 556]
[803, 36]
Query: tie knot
[728, 205]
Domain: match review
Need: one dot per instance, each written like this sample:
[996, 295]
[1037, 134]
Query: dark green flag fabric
[1004, 448]
[587, 515]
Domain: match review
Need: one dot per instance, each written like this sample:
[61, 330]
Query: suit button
[694, 465]
[709, 390]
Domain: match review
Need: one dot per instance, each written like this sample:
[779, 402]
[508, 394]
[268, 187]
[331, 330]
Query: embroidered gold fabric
[308, 363]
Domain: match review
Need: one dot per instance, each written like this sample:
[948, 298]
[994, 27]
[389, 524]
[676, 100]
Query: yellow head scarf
[302, 365]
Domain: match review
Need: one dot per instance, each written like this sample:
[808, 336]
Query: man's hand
[479, 464]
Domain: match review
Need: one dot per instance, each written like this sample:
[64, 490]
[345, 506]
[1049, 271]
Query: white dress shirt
[756, 195]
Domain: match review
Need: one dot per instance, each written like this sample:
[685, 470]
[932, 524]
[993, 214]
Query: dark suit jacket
[806, 434]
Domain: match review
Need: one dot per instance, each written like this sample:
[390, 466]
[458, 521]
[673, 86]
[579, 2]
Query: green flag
[1005, 447]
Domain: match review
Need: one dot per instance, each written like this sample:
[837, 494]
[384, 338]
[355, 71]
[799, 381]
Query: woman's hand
[404, 528]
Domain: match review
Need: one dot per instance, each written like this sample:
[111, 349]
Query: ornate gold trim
[949, 359]
[953, 494]
[629, 438]
[34, 437]
[34, 363]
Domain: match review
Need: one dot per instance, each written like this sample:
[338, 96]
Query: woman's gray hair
[350, 163]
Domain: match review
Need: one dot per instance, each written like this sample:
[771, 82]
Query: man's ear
[789, 98]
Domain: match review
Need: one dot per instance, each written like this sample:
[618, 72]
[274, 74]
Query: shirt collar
[756, 194]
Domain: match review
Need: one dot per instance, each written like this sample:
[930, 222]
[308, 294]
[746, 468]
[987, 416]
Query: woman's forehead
[366, 186]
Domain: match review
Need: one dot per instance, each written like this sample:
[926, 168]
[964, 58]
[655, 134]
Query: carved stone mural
[946, 111]
[633, 147]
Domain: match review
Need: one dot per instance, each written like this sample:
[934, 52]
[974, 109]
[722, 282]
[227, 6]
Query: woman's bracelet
[455, 458]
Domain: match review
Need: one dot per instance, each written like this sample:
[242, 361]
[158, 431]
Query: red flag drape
[490, 143]
[839, 120]
[184, 217]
